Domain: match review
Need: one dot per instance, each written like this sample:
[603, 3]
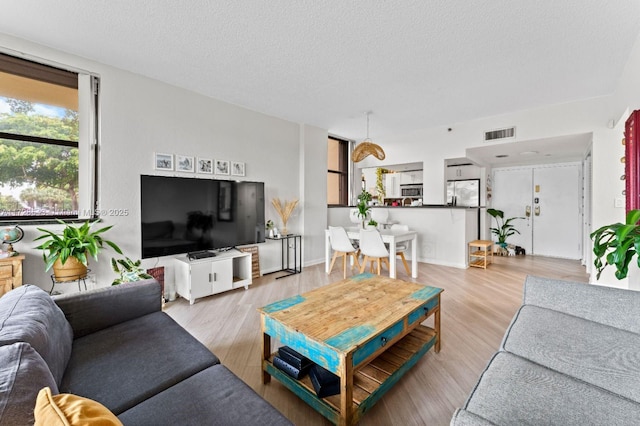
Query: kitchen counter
[424, 206]
[443, 231]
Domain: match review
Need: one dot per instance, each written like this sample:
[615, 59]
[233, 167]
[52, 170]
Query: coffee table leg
[266, 353]
[346, 390]
[436, 325]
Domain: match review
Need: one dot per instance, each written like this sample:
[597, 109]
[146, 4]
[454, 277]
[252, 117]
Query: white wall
[140, 116]
[313, 186]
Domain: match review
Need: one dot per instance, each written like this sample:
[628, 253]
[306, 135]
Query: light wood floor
[477, 307]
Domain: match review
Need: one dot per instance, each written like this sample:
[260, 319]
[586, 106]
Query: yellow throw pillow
[70, 410]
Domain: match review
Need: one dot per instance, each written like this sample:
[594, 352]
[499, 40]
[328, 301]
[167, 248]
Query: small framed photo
[184, 163]
[163, 161]
[237, 169]
[205, 165]
[222, 167]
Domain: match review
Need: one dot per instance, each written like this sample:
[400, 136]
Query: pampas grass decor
[284, 210]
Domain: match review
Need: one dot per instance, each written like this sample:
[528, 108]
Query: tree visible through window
[39, 135]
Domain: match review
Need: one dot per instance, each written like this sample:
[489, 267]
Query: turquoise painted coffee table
[365, 329]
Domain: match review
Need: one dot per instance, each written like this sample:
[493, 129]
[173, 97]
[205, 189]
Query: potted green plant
[380, 189]
[68, 251]
[270, 227]
[363, 205]
[616, 244]
[372, 223]
[504, 229]
[128, 270]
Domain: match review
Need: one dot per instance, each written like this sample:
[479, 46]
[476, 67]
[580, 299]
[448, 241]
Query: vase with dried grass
[284, 210]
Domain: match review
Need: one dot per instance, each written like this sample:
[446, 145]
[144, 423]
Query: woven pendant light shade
[365, 149]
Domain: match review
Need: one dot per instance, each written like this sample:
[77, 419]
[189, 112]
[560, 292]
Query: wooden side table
[10, 273]
[480, 253]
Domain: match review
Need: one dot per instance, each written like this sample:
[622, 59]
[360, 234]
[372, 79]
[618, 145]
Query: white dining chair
[373, 249]
[402, 247]
[341, 246]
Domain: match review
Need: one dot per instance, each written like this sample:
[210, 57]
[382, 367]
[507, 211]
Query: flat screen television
[183, 215]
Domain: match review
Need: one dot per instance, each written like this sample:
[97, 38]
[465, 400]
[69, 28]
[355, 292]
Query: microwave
[412, 190]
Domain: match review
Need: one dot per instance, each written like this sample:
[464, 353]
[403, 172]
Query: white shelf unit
[212, 275]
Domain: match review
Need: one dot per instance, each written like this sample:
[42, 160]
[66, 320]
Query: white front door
[512, 190]
[549, 199]
[557, 218]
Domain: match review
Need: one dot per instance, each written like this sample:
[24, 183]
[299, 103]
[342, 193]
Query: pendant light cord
[367, 114]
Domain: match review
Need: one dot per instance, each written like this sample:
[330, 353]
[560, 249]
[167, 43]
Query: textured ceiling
[414, 63]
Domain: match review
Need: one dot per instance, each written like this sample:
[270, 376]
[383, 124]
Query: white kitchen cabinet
[204, 277]
[462, 172]
[411, 178]
[392, 185]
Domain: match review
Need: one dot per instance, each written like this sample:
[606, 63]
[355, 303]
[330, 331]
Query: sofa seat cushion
[595, 353]
[214, 396]
[513, 390]
[123, 365]
[28, 314]
[23, 373]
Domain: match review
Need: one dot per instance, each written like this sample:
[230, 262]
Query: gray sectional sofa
[115, 345]
[571, 356]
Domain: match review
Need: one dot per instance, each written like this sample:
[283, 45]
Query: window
[42, 151]
[338, 172]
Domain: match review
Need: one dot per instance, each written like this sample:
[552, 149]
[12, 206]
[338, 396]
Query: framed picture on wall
[163, 161]
[222, 167]
[184, 163]
[237, 169]
[205, 165]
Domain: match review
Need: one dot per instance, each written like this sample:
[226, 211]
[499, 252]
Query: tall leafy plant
[363, 205]
[74, 241]
[380, 189]
[504, 229]
[616, 245]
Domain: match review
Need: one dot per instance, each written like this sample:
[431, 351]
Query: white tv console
[203, 277]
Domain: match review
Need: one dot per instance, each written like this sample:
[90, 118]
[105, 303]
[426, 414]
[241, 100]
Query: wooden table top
[347, 313]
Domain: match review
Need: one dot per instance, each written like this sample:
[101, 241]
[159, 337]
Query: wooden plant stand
[480, 253]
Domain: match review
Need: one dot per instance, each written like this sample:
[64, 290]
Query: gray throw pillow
[23, 373]
[28, 314]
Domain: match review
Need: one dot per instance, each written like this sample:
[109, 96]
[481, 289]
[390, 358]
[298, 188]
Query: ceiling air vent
[507, 133]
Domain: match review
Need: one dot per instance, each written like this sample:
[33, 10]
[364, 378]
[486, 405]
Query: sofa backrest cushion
[595, 353]
[28, 314]
[104, 307]
[23, 373]
[605, 305]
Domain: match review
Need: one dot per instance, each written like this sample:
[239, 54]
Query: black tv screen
[182, 215]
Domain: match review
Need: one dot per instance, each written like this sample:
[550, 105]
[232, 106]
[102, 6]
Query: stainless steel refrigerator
[463, 192]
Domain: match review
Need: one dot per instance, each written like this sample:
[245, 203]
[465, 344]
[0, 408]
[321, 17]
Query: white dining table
[390, 236]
